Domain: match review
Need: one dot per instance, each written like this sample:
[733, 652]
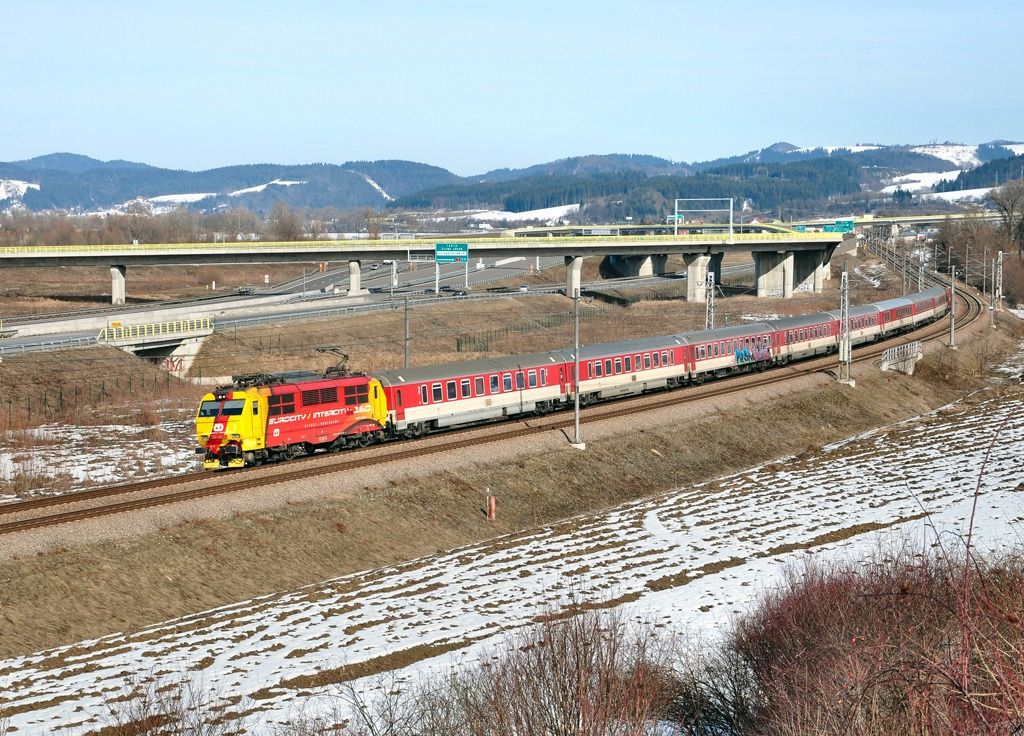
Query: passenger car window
[494, 384]
[465, 388]
[479, 381]
[436, 391]
[506, 382]
[520, 383]
[452, 393]
[532, 375]
[629, 363]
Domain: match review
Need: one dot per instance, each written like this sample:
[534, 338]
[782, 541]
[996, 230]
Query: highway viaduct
[784, 262]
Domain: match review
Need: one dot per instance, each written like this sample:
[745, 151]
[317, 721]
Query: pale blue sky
[472, 86]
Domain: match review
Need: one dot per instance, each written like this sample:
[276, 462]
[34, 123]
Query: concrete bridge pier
[716, 266]
[697, 276]
[355, 285]
[774, 274]
[651, 265]
[808, 271]
[118, 292]
[573, 275]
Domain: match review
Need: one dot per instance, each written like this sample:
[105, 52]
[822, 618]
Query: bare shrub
[905, 644]
[157, 706]
[588, 674]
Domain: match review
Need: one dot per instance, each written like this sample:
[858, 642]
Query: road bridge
[784, 261]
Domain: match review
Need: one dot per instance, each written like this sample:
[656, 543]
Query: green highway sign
[844, 226]
[451, 252]
[830, 229]
[801, 228]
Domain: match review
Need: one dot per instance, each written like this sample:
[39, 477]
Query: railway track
[129, 497]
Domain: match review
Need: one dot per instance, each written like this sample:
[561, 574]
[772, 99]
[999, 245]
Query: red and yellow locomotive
[278, 416]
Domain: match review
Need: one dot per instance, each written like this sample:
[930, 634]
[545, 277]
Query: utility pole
[997, 278]
[709, 301]
[577, 441]
[903, 272]
[952, 309]
[845, 348]
[405, 364]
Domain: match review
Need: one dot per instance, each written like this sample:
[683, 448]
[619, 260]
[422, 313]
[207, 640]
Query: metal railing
[391, 245]
[115, 333]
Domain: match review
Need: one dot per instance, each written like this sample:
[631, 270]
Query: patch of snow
[14, 188]
[959, 195]
[961, 156]
[261, 187]
[919, 181]
[873, 274]
[98, 454]
[1017, 148]
[181, 198]
[545, 214]
[376, 186]
[690, 560]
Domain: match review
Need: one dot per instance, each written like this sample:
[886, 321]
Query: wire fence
[28, 405]
[480, 342]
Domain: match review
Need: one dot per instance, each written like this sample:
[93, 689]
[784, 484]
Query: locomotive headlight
[204, 437]
[236, 436]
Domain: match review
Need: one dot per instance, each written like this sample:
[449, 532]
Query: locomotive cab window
[231, 408]
[255, 409]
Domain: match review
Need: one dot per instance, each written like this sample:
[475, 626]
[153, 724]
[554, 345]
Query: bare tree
[1009, 202]
[284, 224]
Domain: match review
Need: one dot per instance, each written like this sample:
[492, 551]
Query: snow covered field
[96, 454]
[690, 560]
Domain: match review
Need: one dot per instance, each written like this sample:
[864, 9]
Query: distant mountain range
[72, 183]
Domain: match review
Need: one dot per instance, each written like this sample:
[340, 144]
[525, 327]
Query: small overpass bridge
[784, 261]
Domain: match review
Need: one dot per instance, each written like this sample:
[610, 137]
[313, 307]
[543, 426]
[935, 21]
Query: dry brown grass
[86, 386]
[376, 341]
[68, 595]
